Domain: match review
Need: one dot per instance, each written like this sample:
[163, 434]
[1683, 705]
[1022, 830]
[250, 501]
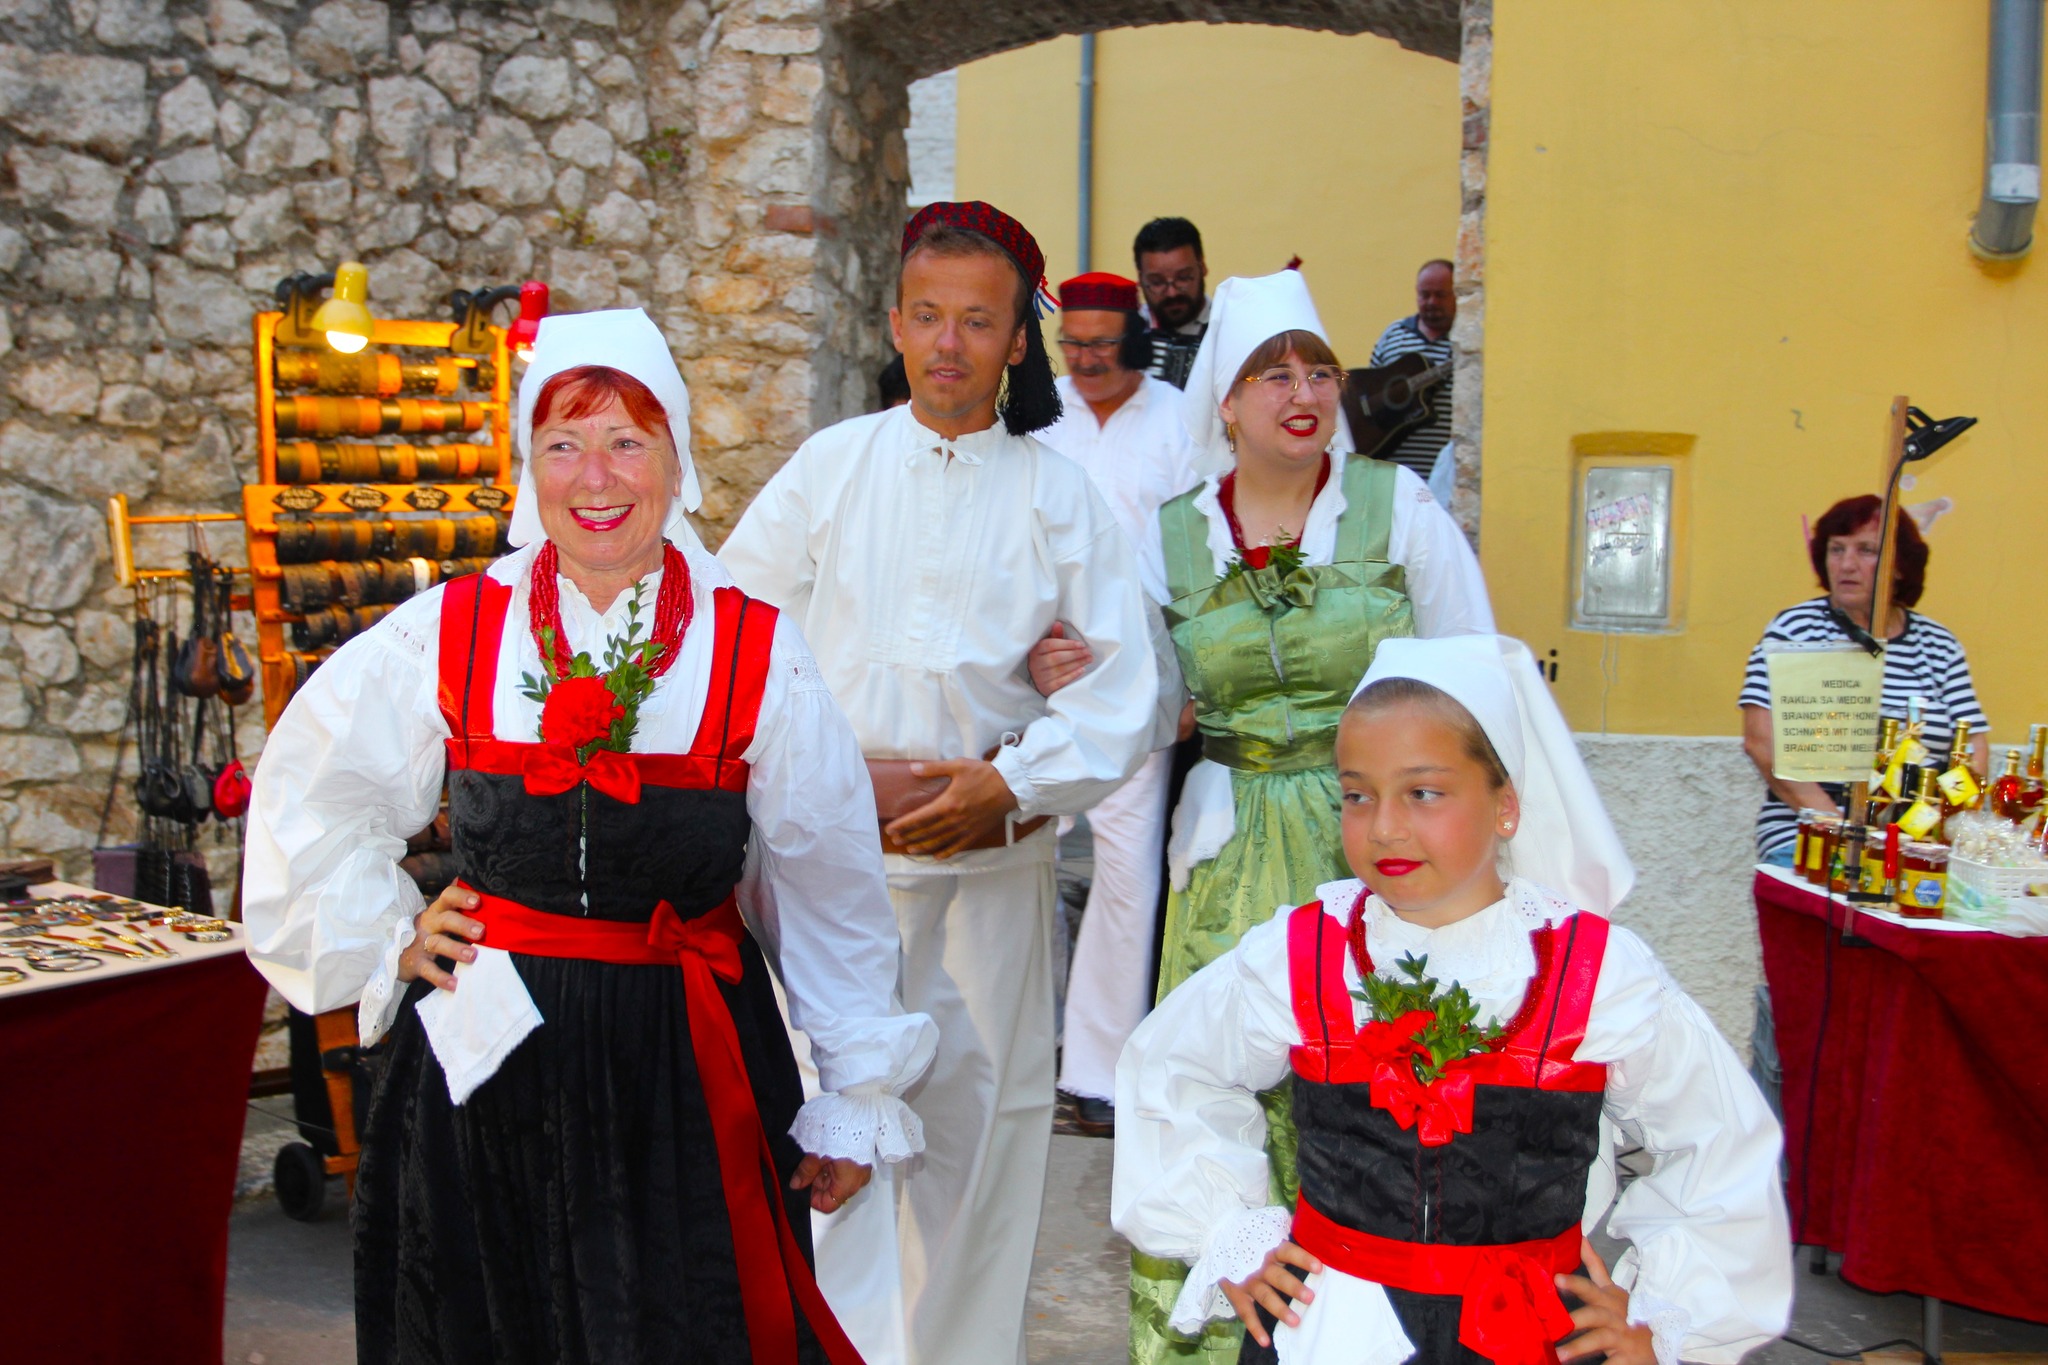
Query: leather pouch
[897, 790]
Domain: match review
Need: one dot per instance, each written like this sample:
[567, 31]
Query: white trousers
[949, 1235]
[1107, 992]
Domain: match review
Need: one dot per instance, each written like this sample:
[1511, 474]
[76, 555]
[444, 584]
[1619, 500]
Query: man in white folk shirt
[1124, 427]
[924, 550]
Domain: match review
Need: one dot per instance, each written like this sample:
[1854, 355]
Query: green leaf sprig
[1282, 559]
[628, 673]
[1453, 1030]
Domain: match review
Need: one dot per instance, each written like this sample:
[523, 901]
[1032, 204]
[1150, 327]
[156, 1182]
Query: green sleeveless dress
[1271, 660]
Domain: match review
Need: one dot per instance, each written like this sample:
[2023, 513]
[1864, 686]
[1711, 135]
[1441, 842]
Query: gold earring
[1230, 436]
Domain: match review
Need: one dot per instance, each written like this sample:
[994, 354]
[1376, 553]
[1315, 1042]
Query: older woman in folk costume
[1440, 1221]
[588, 1144]
[1281, 575]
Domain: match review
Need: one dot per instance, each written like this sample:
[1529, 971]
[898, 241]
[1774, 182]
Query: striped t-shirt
[1926, 661]
[1420, 447]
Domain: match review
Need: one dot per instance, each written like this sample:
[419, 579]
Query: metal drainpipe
[1086, 226]
[2012, 132]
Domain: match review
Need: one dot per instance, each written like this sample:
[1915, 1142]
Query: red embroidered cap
[992, 223]
[1100, 289]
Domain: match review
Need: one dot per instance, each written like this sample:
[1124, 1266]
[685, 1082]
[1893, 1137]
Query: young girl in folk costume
[1466, 1046]
[1278, 576]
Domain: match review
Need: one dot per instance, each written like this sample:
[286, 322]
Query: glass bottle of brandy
[2007, 791]
[1960, 787]
[1923, 819]
[1882, 798]
[2035, 790]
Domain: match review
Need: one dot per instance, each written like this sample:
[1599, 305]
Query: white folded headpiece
[625, 339]
[1564, 840]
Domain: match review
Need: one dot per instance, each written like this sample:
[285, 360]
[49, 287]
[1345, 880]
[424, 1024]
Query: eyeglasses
[1099, 346]
[1184, 281]
[1281, 382]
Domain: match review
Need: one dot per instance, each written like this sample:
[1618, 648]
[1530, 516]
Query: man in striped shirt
[1428, 334]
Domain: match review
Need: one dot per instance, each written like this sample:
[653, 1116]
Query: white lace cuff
[1668, 1324]
[383, 991]
[863, 1123]
[1234, 1251]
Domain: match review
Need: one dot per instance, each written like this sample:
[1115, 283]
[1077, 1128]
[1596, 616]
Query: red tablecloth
[121, 1108]
[1927, 1165]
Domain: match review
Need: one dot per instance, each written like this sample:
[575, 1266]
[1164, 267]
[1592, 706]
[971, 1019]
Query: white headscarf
[1564, 840]
[1244, 314]
[627, 340]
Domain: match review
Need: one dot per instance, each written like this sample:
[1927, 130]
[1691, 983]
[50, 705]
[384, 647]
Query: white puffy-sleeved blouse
[1710, 1265]
[356, 765]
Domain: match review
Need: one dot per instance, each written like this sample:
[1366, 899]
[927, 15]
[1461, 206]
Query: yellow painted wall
[1276, 142]
[1746, 222]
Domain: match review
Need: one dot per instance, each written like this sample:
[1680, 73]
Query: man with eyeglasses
[1175, 279]
[1124, 427]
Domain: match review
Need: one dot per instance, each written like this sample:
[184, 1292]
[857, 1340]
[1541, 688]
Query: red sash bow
[707, 950]
[1438, 1111]
[552, 769]
[1511, 1313]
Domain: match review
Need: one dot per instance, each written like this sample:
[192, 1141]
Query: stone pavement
[289, 1292]
[290, 1299]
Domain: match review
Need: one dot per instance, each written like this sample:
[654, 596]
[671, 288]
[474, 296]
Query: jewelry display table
[1914, 1141]
[122, 1096]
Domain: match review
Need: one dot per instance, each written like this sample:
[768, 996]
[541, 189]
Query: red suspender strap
[707, 951]
[1322, 1006]
[742, 647]
[1581, 946]
[472, 624]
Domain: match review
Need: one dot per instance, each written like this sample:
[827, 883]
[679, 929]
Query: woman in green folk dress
[1281, 575]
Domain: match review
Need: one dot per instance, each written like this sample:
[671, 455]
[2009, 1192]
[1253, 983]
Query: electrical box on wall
[1630, 523]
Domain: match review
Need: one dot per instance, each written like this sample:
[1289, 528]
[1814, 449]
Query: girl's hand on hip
[1272, 1285]
[442, 930]
[1602, 1318]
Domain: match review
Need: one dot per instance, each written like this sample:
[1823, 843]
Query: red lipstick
[580, 515]
[1305, 425]
[1396, 867]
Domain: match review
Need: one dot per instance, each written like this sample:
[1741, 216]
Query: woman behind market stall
[1921, 659]
[571, 1153]
[1280, 576]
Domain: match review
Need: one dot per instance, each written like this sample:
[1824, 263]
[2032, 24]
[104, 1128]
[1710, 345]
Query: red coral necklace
[672, 608]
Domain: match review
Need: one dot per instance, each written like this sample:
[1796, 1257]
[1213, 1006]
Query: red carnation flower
[578, 712]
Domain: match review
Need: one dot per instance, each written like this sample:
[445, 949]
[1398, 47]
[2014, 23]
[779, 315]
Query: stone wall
[1468, 336]
[737, 167]
[1685, 808]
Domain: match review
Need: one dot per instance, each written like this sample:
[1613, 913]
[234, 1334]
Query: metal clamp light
[473, 307]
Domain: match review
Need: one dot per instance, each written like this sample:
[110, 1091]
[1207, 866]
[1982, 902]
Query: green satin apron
[1271, 659]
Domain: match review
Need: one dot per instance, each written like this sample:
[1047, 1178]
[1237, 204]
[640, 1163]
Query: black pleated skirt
[571, 1210]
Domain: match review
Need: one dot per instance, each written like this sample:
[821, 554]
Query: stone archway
[735, 166]
[853, 58]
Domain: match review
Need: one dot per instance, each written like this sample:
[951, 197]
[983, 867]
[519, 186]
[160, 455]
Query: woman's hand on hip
[832, 1180]
[442, 930]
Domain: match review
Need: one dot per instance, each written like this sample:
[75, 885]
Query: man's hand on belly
[973, 804]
